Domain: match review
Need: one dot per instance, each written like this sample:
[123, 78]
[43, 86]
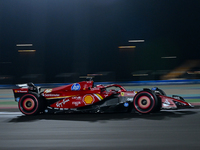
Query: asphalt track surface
[178, 129]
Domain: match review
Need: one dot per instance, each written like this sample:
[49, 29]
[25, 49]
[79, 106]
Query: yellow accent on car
[99, 96]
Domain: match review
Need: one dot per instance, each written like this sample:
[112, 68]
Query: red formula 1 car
[85, 97]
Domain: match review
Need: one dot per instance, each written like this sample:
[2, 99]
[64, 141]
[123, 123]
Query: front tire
[29, 104]
[145, 102]
[159, 91]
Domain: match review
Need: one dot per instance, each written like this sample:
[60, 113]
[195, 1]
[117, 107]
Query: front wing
[173, 103]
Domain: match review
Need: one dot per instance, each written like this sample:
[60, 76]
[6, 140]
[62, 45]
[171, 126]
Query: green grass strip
[8, 103]
[192, 100]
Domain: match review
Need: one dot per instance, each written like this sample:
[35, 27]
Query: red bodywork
[169, 102]
[82, 94]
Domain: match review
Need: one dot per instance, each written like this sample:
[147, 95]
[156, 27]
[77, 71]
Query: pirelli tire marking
[144, 102]
[29, 104]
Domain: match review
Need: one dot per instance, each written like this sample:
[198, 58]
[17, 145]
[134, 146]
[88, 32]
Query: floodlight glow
[126, 47]
[139, 75]
[135, 41]
[24, 45]
[26, 51]
[169, 57]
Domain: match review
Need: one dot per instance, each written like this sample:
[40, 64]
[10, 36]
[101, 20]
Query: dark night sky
[83, 35]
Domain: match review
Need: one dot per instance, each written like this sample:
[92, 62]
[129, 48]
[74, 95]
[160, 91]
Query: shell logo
[88, 99]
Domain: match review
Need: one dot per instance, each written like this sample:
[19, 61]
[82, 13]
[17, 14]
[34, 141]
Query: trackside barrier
[127, 83]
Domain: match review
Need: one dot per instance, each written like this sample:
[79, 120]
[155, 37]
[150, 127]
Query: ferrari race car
[85, 97]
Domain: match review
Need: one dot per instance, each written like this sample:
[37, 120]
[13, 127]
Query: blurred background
[136, 43]
[60, 41]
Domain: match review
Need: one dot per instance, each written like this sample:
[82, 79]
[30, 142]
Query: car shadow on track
[162, 115]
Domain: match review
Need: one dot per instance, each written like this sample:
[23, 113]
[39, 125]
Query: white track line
[10, 113]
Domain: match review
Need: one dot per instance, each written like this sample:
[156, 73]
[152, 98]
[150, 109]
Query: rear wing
[24, 89]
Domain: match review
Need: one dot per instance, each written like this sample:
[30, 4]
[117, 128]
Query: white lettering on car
[61, 103]
[166, 103]
[77, 97]
[48, 91]
[53, 95]
[129, 99]
[76, 103]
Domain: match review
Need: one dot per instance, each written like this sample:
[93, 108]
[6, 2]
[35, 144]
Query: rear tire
[145, 102]
[30, 104]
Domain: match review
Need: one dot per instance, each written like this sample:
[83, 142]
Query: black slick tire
[145, 102]
[29, 104]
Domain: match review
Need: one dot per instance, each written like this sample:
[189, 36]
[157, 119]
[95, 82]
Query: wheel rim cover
[144, 102]
[28, 104]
